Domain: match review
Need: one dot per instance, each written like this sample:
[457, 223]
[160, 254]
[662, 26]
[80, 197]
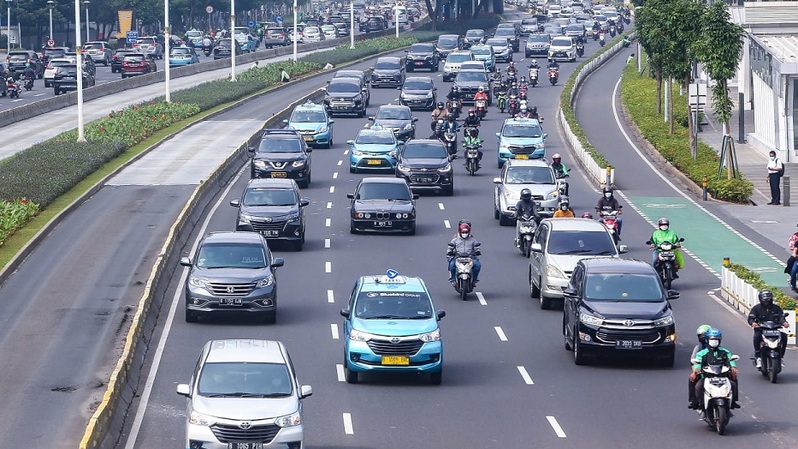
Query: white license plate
[629, 344]
[425, 180]
[269, 233]
[244, 445]
[383, 224]
[230, 301]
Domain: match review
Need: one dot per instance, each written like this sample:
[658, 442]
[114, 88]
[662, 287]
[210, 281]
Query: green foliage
[638, 94]
[14, 214]
[755, 280]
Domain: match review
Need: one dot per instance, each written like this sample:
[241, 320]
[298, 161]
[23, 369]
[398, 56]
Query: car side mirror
[345, 313]
[570, 292]
[545, 135]
[251, 149]
[673, 294]
[536, 247]
[183, 390]
[185, 261]
[415, 119]
[304, 202]
[236, 202]
[309, 149]
[305, 391]
[498, 134]
[350, 142]
[331, 122]
[623, 249]
[497, 180]
[371, 119]
[350, 196]
[416, 196]
[441, 314]
[285, 122]
[278, 262]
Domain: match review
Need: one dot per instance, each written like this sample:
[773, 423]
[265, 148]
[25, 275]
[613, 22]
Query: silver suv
[244, 394]
[558, 244]
[518, 174]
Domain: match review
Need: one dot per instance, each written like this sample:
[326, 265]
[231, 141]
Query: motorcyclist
[481, 95]
[471, 120]
[454, 94]
[556, 164]
[28, 74]
[596, 26]
[534, 64]
[450, 124]
[626, 42]
[471, 137]
[533, 113]
[564, 211]
[513, 90]
[525, 207]
[553, 65]
[700, 334]
[439, 113]
[608, 203]
[523, 112]
[511, 69]
[714, 353]
[466, 245]
[663, 233]
[766, 310]
[206, 43]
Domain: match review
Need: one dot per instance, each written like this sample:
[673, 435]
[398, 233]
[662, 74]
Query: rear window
[134, 58]
[393, 114]
[17, 57]
[447, 41]
[458, 58]
[93, 46]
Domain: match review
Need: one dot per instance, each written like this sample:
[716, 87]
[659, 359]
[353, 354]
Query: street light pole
[86, 4]
[166, 42]
[296, 36]
[232, 40]
[50, 6]
[396, 16]
[8, 31]
[351, 23]
[79, 50]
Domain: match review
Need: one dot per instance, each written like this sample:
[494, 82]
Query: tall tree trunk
[659, 92]
[727, 139]
[433, 13]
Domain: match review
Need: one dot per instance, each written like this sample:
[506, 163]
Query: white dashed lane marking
[556, 426]
[335, 175]
[339, 163]
[334, 331]
[500, 333]
[346, 151]
[339, 370]
[332, 189]
[348, 429]
[441, 207]
[329, 204]
[525, 375]
[327, 243]
[481, 299]
[447, 224]
[328, 222]
[330, 296]
[328, 267]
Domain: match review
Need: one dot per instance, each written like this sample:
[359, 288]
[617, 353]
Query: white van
[554, 11]
[401, 12]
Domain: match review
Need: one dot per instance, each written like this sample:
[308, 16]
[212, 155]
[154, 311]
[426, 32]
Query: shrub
[751, 277]
[14, 214]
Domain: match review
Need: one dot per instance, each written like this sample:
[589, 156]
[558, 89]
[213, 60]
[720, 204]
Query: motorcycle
[717, 395]
[522, 92]
[769, 350]
[612, 30]
[562, 184]
[28, 83]
[464, 273]
[553, 75]
[595, 35]
[620, 27]
[580, 50]
[472, 157]
[533, 76]
[501, 101]
[526, 230]
[207, 51]
[511, 79]
[454, 107]
[481, 107]
[602, 41]
[513, 105]
[12, 87]
[450, 140]
[610, 220]
[666, 261]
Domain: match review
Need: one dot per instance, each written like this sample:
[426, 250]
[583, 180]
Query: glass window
[236, 379]
[421, 48]
[270, 197]
[387, 305]
[623, 287]
[343, 87]
[308, 117]
[279, 146]
[447, 42]
[226, 255]
[529, 175]
[418, 85]
[581, 242]
[424, 151]
[458, 58]
[472, 76]
[522, 131]
[375, 139]
[387, 65]
[393, 114]
[383, 191]
[538, 38]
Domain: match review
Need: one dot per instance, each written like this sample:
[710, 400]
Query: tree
[719, 51]
[654, 39]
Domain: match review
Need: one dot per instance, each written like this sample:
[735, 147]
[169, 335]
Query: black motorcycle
[769, 350]
[28, 83]
[665, 264]
[580, 50]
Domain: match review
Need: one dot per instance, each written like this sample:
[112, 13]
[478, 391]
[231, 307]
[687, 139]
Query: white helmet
[523, 107]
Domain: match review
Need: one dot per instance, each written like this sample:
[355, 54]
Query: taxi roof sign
[391, 276]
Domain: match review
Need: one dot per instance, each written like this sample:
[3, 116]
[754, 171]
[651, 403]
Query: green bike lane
[707, 238]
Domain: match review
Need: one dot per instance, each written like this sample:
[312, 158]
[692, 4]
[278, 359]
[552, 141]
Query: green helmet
[702, 330]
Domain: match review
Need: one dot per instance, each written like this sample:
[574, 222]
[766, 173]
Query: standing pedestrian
[792, 266]
[775, 170]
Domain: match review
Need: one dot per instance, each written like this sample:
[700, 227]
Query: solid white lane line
[348, 429]
[481, 299]
[335, 175]
[500, 333]
[447, 224]
[328, 222]
[525, 375]
[330, 296]
[328, 267]
[556, 426]
[339, 370]
[440, 206]
[334, 331]
[339, 163]
[332, 189]
[329, 204]
[327, 243]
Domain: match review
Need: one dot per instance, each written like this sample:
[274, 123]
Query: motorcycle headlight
[265, 282]
[299, 163]
[430, 336]
[445, 168]
[356, 335]
[294, 419]
[197, 282]
[408, 127]
[554, 272]
[664, 321]
[201, 420]
[589, 319]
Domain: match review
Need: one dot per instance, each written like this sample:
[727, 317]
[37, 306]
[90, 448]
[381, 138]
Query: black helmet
[526, 194]
[607, 189]
[450, 116]
[534, 109]
[766, 298]
[440, 105]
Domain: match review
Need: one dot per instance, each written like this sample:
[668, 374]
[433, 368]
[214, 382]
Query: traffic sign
[50, 43]
[278, 19]
[209, 9]
[131, 37]
[251, 24]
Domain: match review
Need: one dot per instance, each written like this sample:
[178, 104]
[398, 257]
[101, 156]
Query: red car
[137, 64]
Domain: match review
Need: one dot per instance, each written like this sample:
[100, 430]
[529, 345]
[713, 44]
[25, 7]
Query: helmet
[587, 215]
[534, 109]
[702, 330]
[464, 227]
[504, 84]
[523, 107]
[564, 200]
[766, 298]
[607, 190]
[450, 116]
[482, 88]
[713, 334]
[512, 64]
[526, 194]
[471, 111]
[556, 157]
[523, 79]
[515, 84]
[440, 105]
[534, 62]
[663, 221]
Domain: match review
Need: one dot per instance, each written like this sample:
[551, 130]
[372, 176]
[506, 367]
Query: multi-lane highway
[508, 382]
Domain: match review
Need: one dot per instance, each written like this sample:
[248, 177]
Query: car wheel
[545, 303]
[504, 220]
[534, 291]
[449, 190]
[436, 378]
[351, 376]
[191, 316]
[271, 317]
[56, 91]
[412, 230]
[352, 169]
[579, 352]
[568, 346]
[352, 229]
[667, 361]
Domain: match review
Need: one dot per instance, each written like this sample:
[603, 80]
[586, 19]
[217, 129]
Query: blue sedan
[521, 138]
[313, 123]
[182, 56]
[374, 149]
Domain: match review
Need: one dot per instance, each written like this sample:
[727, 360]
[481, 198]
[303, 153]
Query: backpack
[783, 169]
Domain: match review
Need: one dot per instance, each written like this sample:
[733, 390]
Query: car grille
[280, 165]
[559, 53]
[264, 226]
[526, 149]
[385, 347]
[227, 433]
[612, 335]
[219, 289]
[537, 197]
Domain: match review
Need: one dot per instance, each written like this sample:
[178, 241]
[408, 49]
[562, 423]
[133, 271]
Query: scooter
[580, 50]
[12, 87]
[596, 35]
[602, 41]
[610, 221]
[450, 140]
[28, 83]
[553, 75]
[472, 157]
[612, 30]
[454, 107]
[717, 395]
[481, 107]
[464, 272]
[207, 51]
[666, 261]
[533, 76]
[513, 105]
[769, 350]
[501, 101]
[526, 229]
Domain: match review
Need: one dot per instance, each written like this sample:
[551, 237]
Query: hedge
[751, 277]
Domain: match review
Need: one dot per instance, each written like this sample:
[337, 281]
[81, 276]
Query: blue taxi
[391, 326]
[182, 56]
[313, 122]
[484, 53]
[521, 138]
[374, 149]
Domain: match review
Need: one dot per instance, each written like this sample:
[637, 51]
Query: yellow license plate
[374, 162]
[395, 360]
[522, 156]
[308, 138]
[279, 174]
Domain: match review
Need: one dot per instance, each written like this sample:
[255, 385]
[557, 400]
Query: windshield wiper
[238, 394]
[382, 317]
[577, 251]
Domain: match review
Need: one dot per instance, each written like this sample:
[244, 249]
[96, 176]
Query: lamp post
[232, 40]
[396, 17]
[8, 31]
[351, 23]
[50, 6]
[166, 41]
[296, 36]
[79, 50]
[86, 4]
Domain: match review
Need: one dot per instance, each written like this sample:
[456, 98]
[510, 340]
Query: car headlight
[403, 168]
[356, 335]
[358, 98]
[259, 163]
[430, 336]
[265, 282]
[197, 282]
[408, 127]
[292, 217]
[551, 195]
[664, 321]
[445, 168]
[201, 420]
[322, 130]
[299, 163]
[410, 57]
[429, 95]
[245, 218]
[294, 419]
[554, 272]
[589, 319]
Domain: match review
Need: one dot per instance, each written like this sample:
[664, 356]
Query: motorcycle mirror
[681, 239]
[673, 294]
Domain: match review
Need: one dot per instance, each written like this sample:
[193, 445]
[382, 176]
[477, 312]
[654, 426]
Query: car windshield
[372, 138]
[180, 51]
[529, 21]
[589, 243]
[561, 43]
[280, 146]
[538, 38]
[393, 305]
[622, 287]
[393, 114]
[193, 33]
[497, 42]
[149, 41]
[328, 27]
[521, 131]
[346, 74]
[383, 191]
[447, 42]
[54, 53]
[308, 117]
[244, 380]
[505, 32]
[529, 175]
[343, 87]
[424, 150]
[421, 48]
[475, 33]
[231, 255]
[458, 58]
[269, 197]
[472, 76]
[387, 65]
[417, 85]
[224, 43]
[574, 27]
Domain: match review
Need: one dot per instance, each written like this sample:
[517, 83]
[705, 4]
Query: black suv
[373, 24]
[388, 71]
[232, 272]
[418, 92]
[346, 96]
[618, 306]
[425, 165]
[359, 75]
[422, 56]
[66, 78]
[274, 208]
[382, 205]
[448, 43]
[510, 33]
[17, 59]
[281, 153]
[474, 37]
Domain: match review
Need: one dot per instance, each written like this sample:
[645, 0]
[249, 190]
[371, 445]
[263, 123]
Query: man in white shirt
[775, 170]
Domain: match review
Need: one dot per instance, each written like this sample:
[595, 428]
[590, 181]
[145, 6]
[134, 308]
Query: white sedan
[330, 32]
[313, 34]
